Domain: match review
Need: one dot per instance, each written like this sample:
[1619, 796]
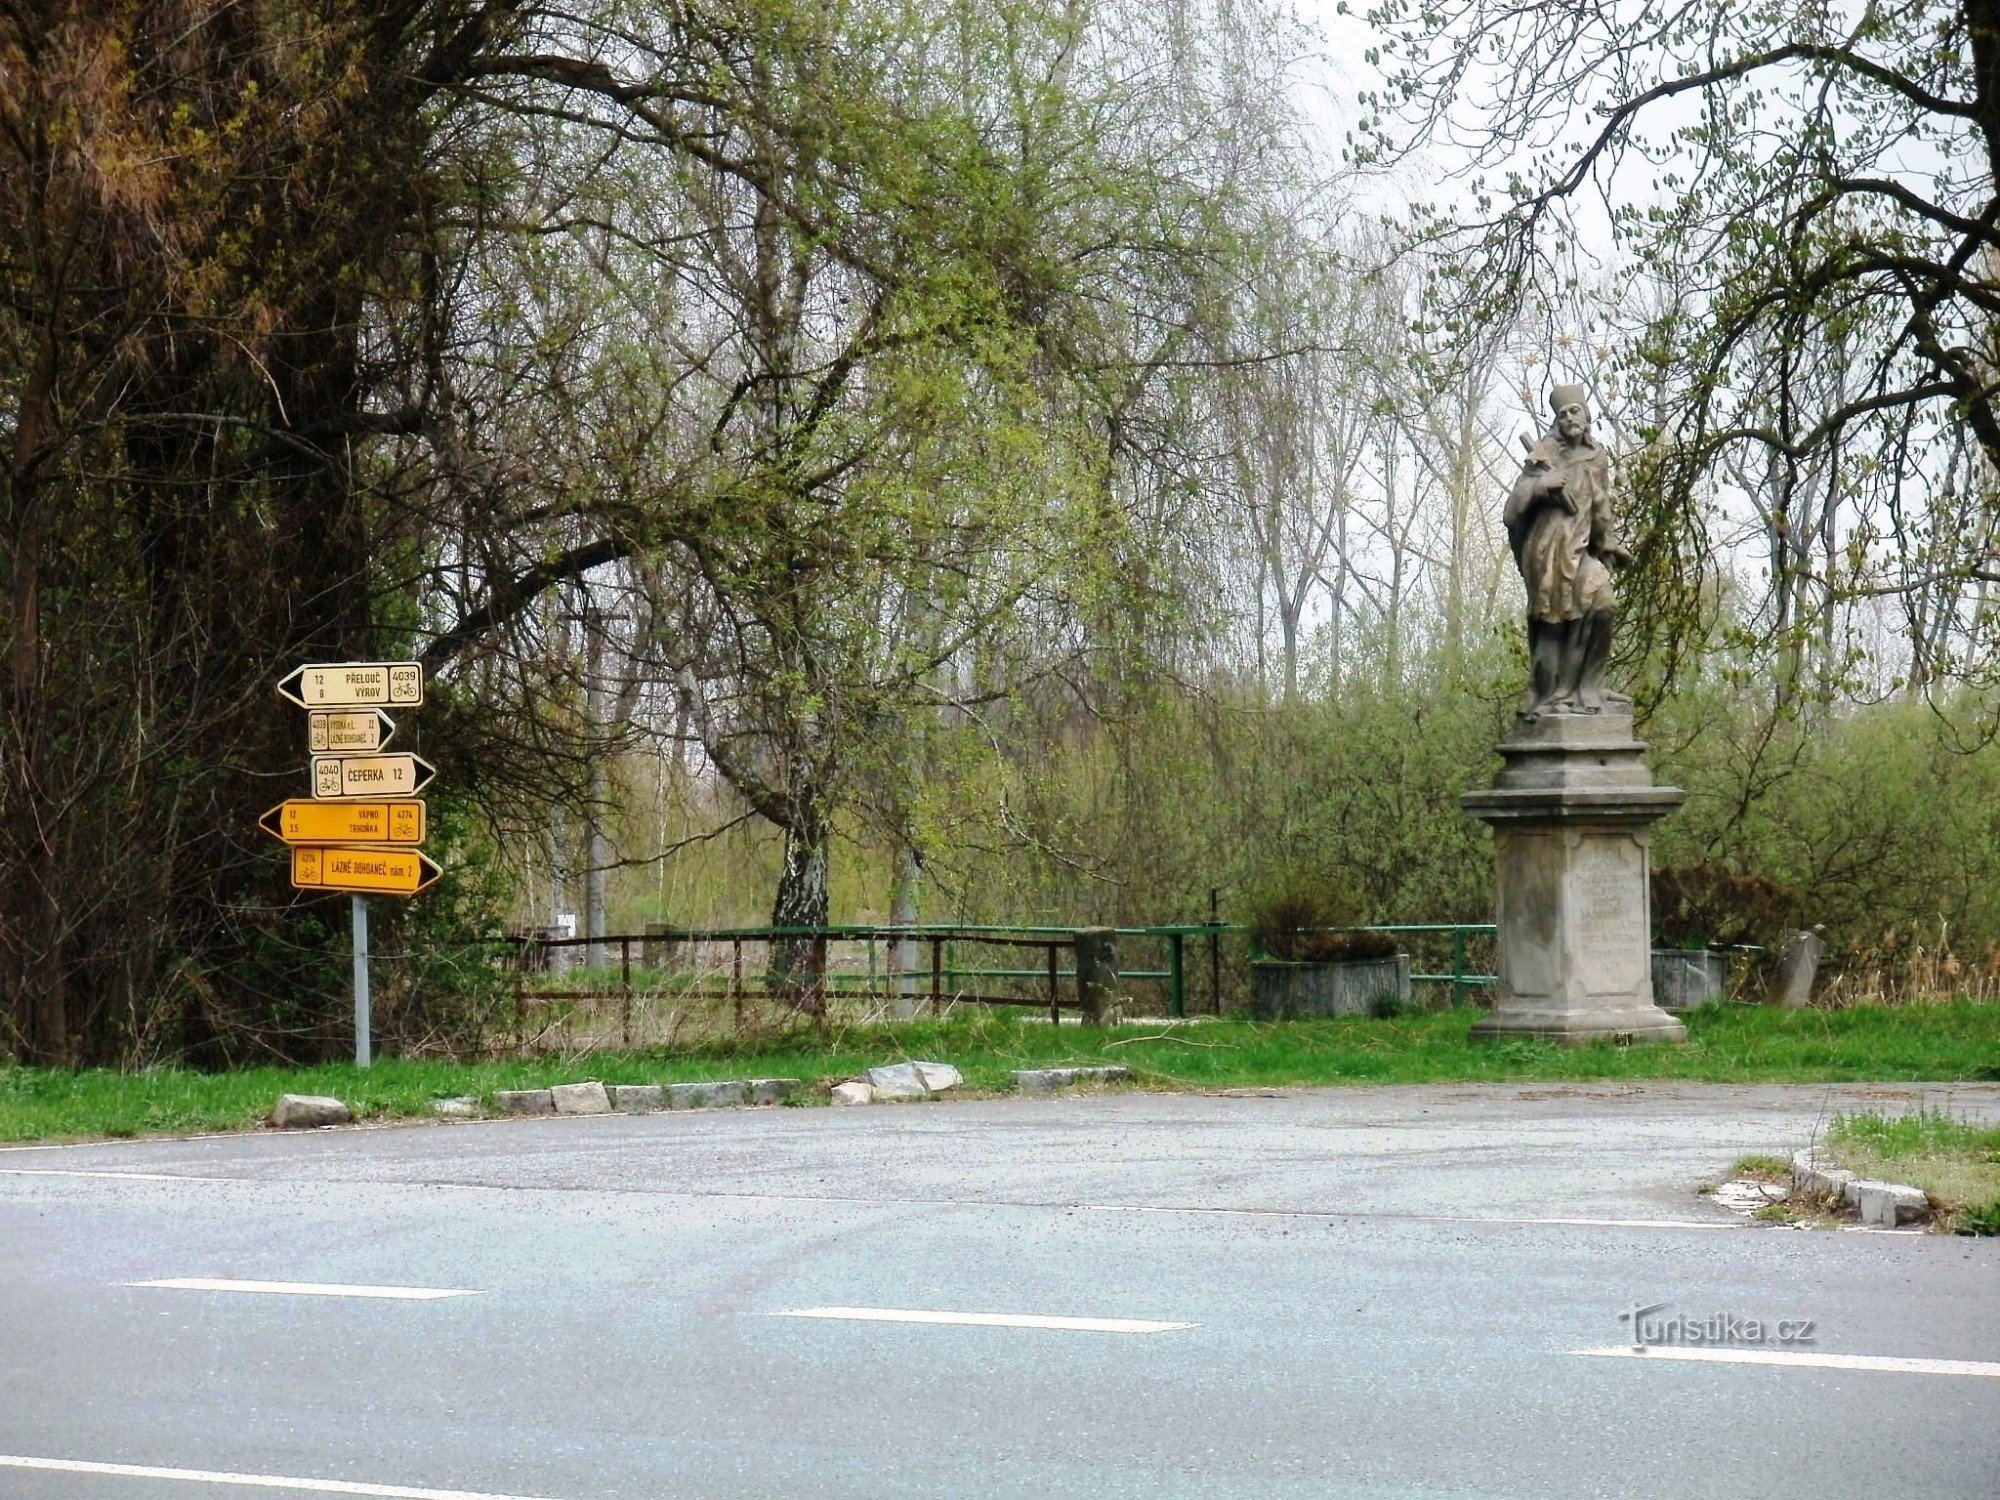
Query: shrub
[1304, 921]
[1702, 906]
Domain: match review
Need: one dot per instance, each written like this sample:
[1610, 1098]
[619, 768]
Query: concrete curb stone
[718, 1095]
[1048, 1080]
[637, 1098]
[1889, 1203]
[853, 1092]
[580, 1099]
[464, 1107]
[773, 1090]
[524, 1101]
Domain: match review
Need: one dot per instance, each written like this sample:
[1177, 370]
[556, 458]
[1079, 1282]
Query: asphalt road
[1387, 1291]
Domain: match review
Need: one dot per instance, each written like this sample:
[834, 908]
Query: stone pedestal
[1571, 814]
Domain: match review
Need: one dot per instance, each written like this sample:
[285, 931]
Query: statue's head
[1572, 410]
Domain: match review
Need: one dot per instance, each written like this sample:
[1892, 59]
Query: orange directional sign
[355, 684]
[379, 872]
[297, 821]
[329, 731]
[370, 775]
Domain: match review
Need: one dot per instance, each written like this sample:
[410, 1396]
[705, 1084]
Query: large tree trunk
[903, 913]
[798, 965]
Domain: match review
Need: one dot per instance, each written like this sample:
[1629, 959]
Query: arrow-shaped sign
[381, 872]
[355, 684]
[370, 775]
[298, 821]
[353, 732]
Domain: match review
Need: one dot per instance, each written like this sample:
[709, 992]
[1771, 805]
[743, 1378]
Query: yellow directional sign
[298, 821]
[381, 872]
[353, 732]
[370, 775]
[355, 684]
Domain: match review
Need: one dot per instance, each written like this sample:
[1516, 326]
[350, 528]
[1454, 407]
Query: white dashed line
[257, 1481]
[984, 1320]
[1799, 1358]
[113, 1176]
[307, 1288]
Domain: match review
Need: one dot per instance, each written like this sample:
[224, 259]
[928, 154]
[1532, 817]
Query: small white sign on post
[356, 684]
[369, 775]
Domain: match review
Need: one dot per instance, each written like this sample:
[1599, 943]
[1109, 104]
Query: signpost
[370, 775]
[354, 732]
[363, 804]
[356, 684]
[381, 872]
[396, 821]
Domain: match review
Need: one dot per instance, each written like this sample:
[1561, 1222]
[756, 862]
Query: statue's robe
[1559, 522]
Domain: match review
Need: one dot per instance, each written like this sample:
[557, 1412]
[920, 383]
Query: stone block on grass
[853, 1092]
[913, 1080]
[305, 1111]
[524, 1101]
[465, 1107]
[772, 1090]
[580, 1099]
[1048, 1080]
[718, 1095]
[637, 1098]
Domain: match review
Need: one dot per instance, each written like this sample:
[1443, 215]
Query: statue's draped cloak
[1554, 546]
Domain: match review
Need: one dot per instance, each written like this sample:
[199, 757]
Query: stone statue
[1565, 541]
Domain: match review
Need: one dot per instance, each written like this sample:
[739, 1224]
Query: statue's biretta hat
[1567, 395]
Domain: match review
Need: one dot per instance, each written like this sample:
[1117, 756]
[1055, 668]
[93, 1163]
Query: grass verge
[1957, 1163]
[1725, 1045]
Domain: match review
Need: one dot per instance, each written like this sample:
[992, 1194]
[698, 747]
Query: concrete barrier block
[637, 1098]
[465, 1107]
[524, 1101]
[853, 1093]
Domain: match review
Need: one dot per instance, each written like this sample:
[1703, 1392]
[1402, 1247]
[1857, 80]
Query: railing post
[819, 976]
[937, 977]
[1097, 974]
[625, 984]
[1457, 967]
[1176, 974]
[1055, 971]
[736, 978]
[1215, 951]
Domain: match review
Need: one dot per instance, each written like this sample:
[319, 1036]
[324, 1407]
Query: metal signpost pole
[362, 1021]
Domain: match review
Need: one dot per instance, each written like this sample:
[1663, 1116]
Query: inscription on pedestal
[1608, 878]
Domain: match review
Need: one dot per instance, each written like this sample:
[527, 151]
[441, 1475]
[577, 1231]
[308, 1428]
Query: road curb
[1883, 1203]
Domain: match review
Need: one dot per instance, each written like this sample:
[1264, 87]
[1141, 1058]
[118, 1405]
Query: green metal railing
[945, 975]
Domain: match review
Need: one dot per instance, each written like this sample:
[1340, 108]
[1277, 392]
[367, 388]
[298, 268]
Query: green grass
[1726, 1044]
[1957, 1163]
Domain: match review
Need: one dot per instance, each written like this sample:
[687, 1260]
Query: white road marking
[258, 1481]
[984, 1320]
[1800, 1358]
[115, 1176]
[307, 1288]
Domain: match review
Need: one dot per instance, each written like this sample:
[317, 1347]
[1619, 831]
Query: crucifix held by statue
[1564, 536]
